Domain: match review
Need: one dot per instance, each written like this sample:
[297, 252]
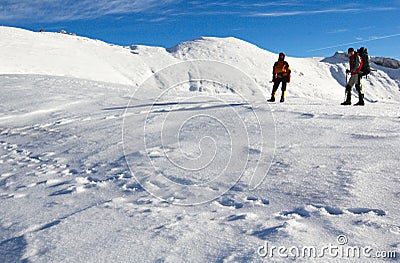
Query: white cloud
[359, 40]
[242, 4]
[316, 12]
[66, 10]
[58, 10]
[338, 31]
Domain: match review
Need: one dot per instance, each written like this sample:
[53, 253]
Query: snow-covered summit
[219, 48]
[338, 57]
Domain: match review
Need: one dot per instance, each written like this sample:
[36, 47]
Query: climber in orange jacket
[280, 74]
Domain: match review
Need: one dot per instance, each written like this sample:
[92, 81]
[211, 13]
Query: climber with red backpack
[359, 67]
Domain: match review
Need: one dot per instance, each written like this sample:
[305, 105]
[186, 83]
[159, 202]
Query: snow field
[68, 178]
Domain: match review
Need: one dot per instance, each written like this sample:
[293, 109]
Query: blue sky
[299, 28]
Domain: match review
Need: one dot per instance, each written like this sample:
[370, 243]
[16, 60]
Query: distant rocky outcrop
[386, 62]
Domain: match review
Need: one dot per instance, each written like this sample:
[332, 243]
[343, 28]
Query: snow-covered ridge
[25, 52]
[381, 61]
[386, 62]
[54, 54]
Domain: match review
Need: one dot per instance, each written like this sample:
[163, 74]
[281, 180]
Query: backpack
[366, 67]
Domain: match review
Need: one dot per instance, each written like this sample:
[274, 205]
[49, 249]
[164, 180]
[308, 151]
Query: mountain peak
[207, 40]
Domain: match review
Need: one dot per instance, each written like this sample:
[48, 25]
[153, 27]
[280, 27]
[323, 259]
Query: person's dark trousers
[360, 93]
[277, 82]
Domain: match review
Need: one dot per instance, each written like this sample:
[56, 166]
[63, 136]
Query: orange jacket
[281, 69]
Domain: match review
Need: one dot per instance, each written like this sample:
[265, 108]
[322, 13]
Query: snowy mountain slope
[68, 187]
[25, 52]
[311, 78]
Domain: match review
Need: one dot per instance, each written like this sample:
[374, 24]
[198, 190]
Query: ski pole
[345, 90]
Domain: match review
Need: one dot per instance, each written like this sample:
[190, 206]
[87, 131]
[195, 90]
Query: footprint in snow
[230, 202]
[79, 185]
[227, 201]
[360, 211]
[236, 217]
[307, 211]
[268, 232]
[302, 212]
[257, 200]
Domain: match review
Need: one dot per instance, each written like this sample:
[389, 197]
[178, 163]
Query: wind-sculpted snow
[143, 154]
[209, 136]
